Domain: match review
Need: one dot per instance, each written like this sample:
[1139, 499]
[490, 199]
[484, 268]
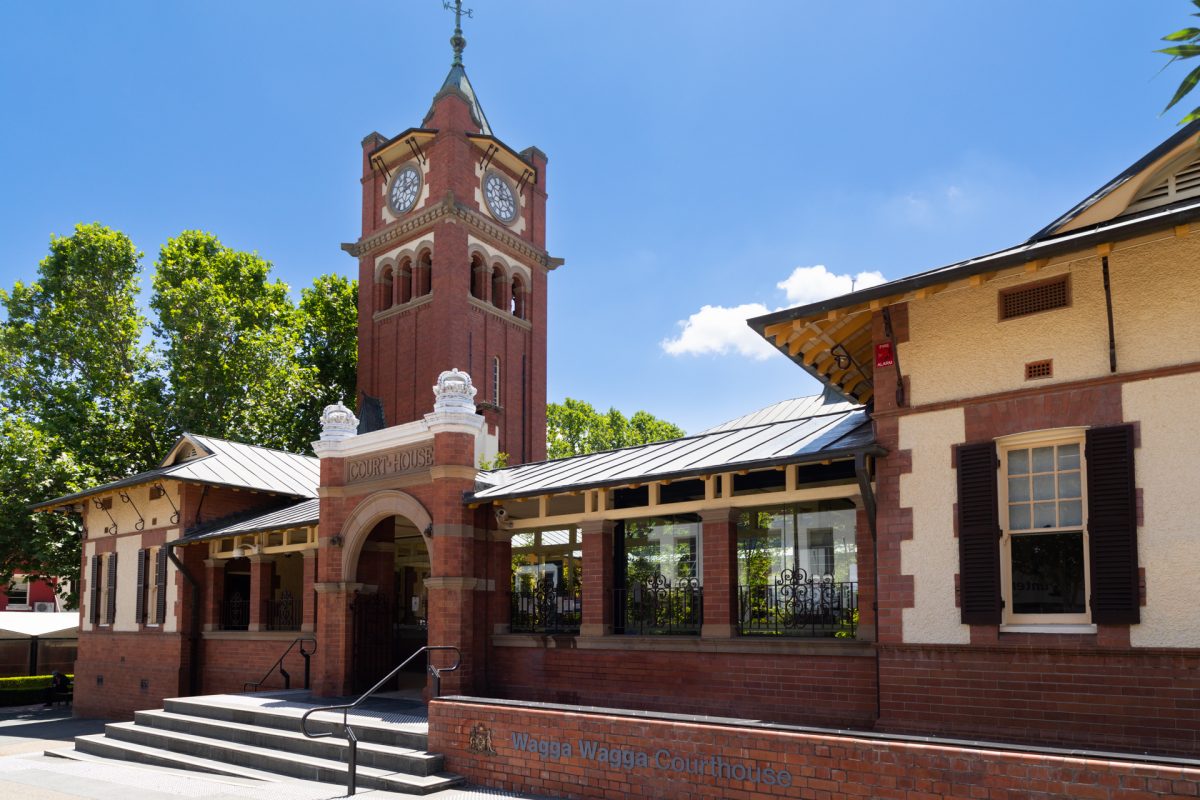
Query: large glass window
[1044, 567]
[547, 572]
[659, 575]
[798, 570]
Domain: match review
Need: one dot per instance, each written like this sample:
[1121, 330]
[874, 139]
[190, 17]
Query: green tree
[1186, 44]
[231, 341]
[72, 360]
[33, 467]
[328, 347]
[574, 427]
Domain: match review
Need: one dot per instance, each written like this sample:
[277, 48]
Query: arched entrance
[389, 612]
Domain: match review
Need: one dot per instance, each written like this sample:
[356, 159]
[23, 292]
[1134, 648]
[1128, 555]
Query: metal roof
[795, 431]
[1133, 225]
[295, 515]
[224, 463]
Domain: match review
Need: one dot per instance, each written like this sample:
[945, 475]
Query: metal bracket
[140, 525]
[379, 164]
[100, 505]
[415, 147]
[175, 515]
[525, 178]
[887, 331]
[486, 159]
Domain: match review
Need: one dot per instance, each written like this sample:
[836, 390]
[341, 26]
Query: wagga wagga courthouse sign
[657, 759]
[404, 461]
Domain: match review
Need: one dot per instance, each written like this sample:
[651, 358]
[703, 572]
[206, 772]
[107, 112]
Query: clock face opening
[406, 186]
[500, 198]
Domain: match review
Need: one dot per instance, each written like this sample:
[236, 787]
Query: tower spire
[457, 41]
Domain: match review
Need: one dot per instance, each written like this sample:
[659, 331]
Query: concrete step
[282, 711]
[134, 742]
[371, 754]
[99, 746]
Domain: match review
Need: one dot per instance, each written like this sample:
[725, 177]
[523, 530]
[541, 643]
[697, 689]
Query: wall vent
[1034, 298]
[1182, 182]
[1036, 370]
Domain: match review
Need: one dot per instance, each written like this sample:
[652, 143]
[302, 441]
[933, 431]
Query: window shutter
[1112, 525]
[978, 534]
[94, 605]
[160, 583]
[112, 589]
[143, 561]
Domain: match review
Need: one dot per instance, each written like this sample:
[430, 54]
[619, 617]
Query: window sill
[1060, 628]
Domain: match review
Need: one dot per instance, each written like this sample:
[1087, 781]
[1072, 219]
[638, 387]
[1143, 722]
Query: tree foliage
[230, 339]
[328, 346]
[86, 397]
[1185, 45]
[575, 427]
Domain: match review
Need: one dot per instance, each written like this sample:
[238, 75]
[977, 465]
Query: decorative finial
[338, 423]
[457, 41]
[454, 393]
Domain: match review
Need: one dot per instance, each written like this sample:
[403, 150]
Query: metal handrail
[345, 708]
[287, 678]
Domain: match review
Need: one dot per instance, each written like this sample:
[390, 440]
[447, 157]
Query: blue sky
[700, 151]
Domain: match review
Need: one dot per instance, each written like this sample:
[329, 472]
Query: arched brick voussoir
[364, 517]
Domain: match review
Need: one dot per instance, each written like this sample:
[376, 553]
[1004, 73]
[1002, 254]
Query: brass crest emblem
[480, 740]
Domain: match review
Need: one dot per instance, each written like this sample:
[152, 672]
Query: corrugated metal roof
[227, 463]
[794, 431]
[296, 515]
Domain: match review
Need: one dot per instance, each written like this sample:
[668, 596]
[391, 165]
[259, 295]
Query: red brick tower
[452, 269]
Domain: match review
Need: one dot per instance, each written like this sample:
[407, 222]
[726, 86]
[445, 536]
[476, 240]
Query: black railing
[434, 672]
[799, 605]
[278, 665]
[546, 608]
[235, 613]
[655, 606]
[283, 614]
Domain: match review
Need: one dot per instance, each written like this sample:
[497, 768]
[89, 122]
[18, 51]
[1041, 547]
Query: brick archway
[364, 517]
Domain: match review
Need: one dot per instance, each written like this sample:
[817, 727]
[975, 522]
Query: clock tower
[453, 268]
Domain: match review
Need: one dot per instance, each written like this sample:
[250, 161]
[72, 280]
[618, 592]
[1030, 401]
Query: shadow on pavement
[33, 728]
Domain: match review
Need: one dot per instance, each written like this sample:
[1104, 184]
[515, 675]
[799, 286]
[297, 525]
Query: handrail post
[306, 666]
[353, 771]
[287, 678]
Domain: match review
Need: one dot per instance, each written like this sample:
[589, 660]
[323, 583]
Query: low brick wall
[762, 682]
[572, 754]
[1111, 699]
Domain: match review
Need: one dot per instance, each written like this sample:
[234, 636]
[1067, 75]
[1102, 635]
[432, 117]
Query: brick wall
[118, 673]
[639, 757]
[1067, 691]
[809, 689]
[230, 662]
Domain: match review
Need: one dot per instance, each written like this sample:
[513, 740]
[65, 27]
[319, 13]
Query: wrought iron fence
[235, 613]
[655, 606]
[283, 614]
[546, 608]
[799, 605]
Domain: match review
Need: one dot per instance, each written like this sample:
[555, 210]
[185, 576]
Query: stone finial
[454, 393]
[338, 423]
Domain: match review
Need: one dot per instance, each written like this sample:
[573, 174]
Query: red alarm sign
[883, 355]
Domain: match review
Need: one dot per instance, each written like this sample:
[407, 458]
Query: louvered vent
[1182, 183]
[1035, 298]
[1039, 369]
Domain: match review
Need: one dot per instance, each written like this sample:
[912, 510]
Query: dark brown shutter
[1112, 525]
[111, 600]
[143, 561]
[94, 606]
[160, 583]
[978, 534]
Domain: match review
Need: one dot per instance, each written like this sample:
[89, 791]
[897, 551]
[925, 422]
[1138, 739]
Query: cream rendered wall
[931, 556]
[958, 348]
[1167, 464]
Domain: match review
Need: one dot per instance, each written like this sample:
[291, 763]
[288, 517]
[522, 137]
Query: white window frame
[1024, 441]
[14, 584]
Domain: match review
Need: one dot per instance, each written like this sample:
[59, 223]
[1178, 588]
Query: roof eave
[839, 454]
[1020, 254]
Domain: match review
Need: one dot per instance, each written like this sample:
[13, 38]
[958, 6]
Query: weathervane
[457, 41]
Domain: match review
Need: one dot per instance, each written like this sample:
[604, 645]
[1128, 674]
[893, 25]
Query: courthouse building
[979, 529]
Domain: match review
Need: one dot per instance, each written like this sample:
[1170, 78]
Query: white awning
[24, 624]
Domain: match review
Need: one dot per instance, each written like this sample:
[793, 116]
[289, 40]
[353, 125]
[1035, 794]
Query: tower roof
[457, 83]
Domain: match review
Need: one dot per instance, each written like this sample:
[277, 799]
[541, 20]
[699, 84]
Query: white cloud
[720, 330]
[716, 330]
[810, 284]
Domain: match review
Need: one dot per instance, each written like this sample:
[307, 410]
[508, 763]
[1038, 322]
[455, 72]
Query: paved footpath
[25, 771]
